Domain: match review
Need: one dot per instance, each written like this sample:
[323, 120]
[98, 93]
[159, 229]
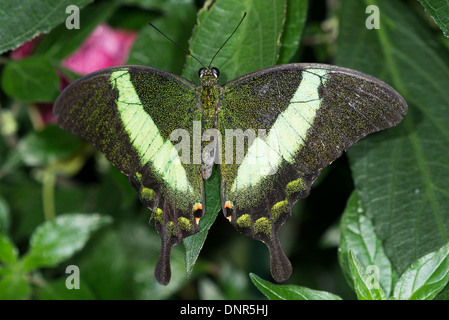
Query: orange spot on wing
[197, 212]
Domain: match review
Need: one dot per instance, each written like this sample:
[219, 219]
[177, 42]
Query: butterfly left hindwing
[130, 113]
[297, 119]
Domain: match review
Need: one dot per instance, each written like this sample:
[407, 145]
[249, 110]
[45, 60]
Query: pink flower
[25, 49]
[105, 47]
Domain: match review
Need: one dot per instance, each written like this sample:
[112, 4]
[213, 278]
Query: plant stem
[48, 194]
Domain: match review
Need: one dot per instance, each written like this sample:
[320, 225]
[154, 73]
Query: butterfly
[269, 132]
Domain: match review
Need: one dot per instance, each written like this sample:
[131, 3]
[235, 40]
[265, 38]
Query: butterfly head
[209, 76]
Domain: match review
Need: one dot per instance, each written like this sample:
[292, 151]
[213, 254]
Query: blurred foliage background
[62, 203]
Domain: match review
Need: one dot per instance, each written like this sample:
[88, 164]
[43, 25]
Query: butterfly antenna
[186, 51]
[241, 20]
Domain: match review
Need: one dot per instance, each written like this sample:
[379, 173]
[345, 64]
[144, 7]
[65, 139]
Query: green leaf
[401, 173]
[194, 244]
[177, 24]
[23, 19]
[4, 216]
[289, 292]
[358, 236]
[293, 29]
[8, 251]
[57, 290]
[57, 240]
[121, 264]
[425, 277]
[14, 286]
[439, 10]
[31, 80]
[47, 146]
[365, 280]
[254, 46]
[166, 7]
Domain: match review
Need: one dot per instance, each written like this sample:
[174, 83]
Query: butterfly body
[270, 132]
[209, 102]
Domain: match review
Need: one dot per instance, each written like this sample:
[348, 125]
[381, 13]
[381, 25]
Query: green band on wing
[145, 136]
[286, 136]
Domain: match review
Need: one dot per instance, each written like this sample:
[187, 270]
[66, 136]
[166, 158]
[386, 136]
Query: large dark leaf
[401, 173]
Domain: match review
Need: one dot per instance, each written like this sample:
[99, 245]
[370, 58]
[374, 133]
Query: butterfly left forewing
[135, 115]
[300, 118]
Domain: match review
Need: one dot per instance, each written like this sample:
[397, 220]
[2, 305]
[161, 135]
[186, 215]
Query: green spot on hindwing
[244, 221]
[280, 208]
[184, 224]
[147, 194]
[263, 225]
[294, 187]
[171, 230]
[157, 214]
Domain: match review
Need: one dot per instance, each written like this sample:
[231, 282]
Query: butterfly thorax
[209, 92]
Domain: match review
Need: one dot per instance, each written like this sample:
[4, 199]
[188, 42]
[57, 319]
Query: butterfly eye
[215, 72]
[201, 72]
